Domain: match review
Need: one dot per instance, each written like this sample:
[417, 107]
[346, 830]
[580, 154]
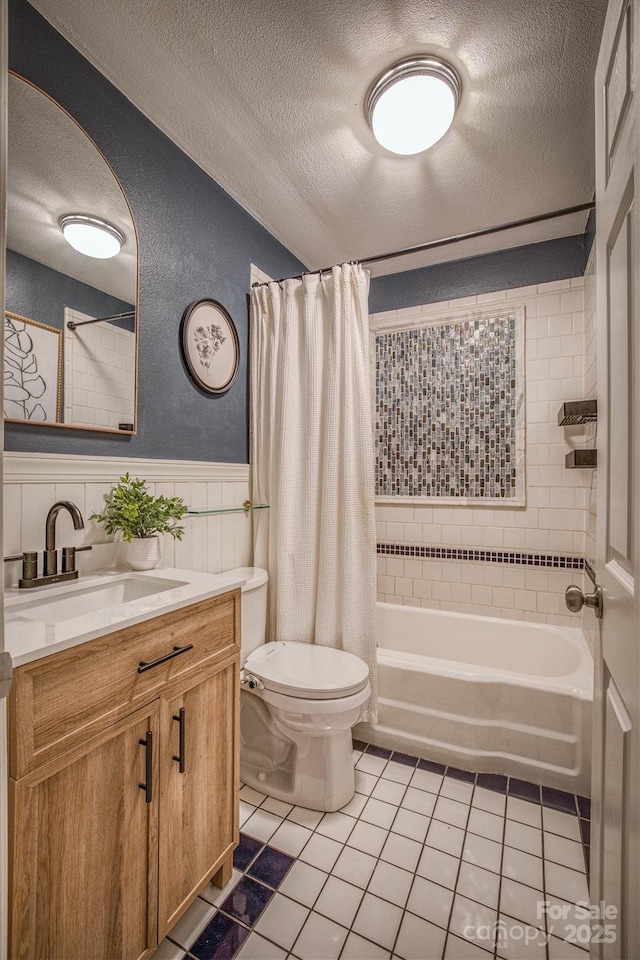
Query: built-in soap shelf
[246, 507]
[575, 413]
[579, 459]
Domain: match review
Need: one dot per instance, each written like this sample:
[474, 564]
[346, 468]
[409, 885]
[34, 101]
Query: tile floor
[425, 862]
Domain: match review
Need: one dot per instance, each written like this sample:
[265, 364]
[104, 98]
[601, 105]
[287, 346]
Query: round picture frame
[209, 345]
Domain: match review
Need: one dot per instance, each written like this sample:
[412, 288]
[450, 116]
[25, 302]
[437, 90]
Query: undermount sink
[90, 599]
[44, 620]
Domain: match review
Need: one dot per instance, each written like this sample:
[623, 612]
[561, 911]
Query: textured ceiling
[55, 169]
[268, 99]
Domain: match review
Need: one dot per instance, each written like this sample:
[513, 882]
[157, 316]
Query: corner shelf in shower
[573, 413]
[246, 507]
[577, 459]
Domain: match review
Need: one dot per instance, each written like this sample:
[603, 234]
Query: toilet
[299, 702]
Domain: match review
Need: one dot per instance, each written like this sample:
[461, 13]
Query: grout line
[455, 886]
[188, 955]
[544, 882]
[504, 833]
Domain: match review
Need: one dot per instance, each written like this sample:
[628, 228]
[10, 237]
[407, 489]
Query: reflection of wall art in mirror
[209, 345]
[32, 370]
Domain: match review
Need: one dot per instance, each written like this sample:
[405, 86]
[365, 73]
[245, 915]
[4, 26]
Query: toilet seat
[319, 708]
[307, 671]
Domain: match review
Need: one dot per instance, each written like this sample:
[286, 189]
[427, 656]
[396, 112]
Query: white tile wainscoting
[558, 357]
[211, 544]
[487, 588]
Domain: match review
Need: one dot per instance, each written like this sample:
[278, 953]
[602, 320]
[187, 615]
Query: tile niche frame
[413, 319]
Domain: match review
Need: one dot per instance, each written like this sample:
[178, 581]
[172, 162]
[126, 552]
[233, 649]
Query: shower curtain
[313, 460]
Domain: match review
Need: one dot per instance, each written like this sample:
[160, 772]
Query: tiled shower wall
[554, 521]
[33, 482]
[99, 373]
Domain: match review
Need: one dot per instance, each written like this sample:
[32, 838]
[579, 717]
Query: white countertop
[28, 639]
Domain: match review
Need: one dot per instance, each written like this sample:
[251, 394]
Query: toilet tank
[253, 608]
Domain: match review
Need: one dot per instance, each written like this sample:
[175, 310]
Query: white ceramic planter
[143, 554]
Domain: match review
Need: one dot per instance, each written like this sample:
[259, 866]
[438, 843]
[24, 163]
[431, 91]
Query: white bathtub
[485, 694]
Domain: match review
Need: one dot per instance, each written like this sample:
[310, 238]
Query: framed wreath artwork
[209, 344]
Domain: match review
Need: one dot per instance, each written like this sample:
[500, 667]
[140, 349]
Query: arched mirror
[70, 323]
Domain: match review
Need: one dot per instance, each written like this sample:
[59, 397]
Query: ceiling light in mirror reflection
[91, 236]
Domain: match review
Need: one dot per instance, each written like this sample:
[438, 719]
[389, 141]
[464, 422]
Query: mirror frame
[80, 426]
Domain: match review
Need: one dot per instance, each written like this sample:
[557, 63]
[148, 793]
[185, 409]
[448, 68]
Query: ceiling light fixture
[411, 105]
[91, 236]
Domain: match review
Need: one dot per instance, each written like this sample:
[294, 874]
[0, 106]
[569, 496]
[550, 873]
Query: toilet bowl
[299, 702]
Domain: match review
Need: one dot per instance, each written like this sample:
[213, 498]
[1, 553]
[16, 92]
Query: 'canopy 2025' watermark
[581, 923]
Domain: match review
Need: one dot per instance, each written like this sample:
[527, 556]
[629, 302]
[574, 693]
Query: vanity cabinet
[83, 850]
[124, 783]
[198, 789]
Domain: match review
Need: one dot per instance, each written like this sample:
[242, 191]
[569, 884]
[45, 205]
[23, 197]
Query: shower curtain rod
[432, 244]
[114, 316]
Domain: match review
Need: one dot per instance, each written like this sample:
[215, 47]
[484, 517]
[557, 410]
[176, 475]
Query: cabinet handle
[147, 743]
[180, 758]
[142, 666]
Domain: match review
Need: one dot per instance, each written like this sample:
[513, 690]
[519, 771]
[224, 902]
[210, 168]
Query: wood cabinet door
[198, 786]
[84, 849]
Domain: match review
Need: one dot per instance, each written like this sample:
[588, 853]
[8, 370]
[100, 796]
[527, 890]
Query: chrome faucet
[50, 573]
[50, 568]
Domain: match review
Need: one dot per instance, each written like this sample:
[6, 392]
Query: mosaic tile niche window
[449, 410]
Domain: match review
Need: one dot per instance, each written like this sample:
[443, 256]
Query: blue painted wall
[40, 293]
[517, 267]
[195, 241]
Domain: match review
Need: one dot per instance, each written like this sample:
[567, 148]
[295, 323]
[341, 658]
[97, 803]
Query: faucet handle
[29, 563]
[69, 557]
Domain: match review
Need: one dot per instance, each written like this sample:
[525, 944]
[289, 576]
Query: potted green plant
[133, 512]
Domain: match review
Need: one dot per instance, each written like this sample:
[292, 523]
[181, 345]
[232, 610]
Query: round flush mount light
[91, 236]
[411, 105]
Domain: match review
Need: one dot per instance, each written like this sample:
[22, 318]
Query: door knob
[575, 599]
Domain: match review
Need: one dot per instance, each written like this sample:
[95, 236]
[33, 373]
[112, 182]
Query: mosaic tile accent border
[590, 570]
[484, 556]
[449, 409]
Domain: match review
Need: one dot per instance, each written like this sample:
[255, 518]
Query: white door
[615, 851]
[4, 667]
